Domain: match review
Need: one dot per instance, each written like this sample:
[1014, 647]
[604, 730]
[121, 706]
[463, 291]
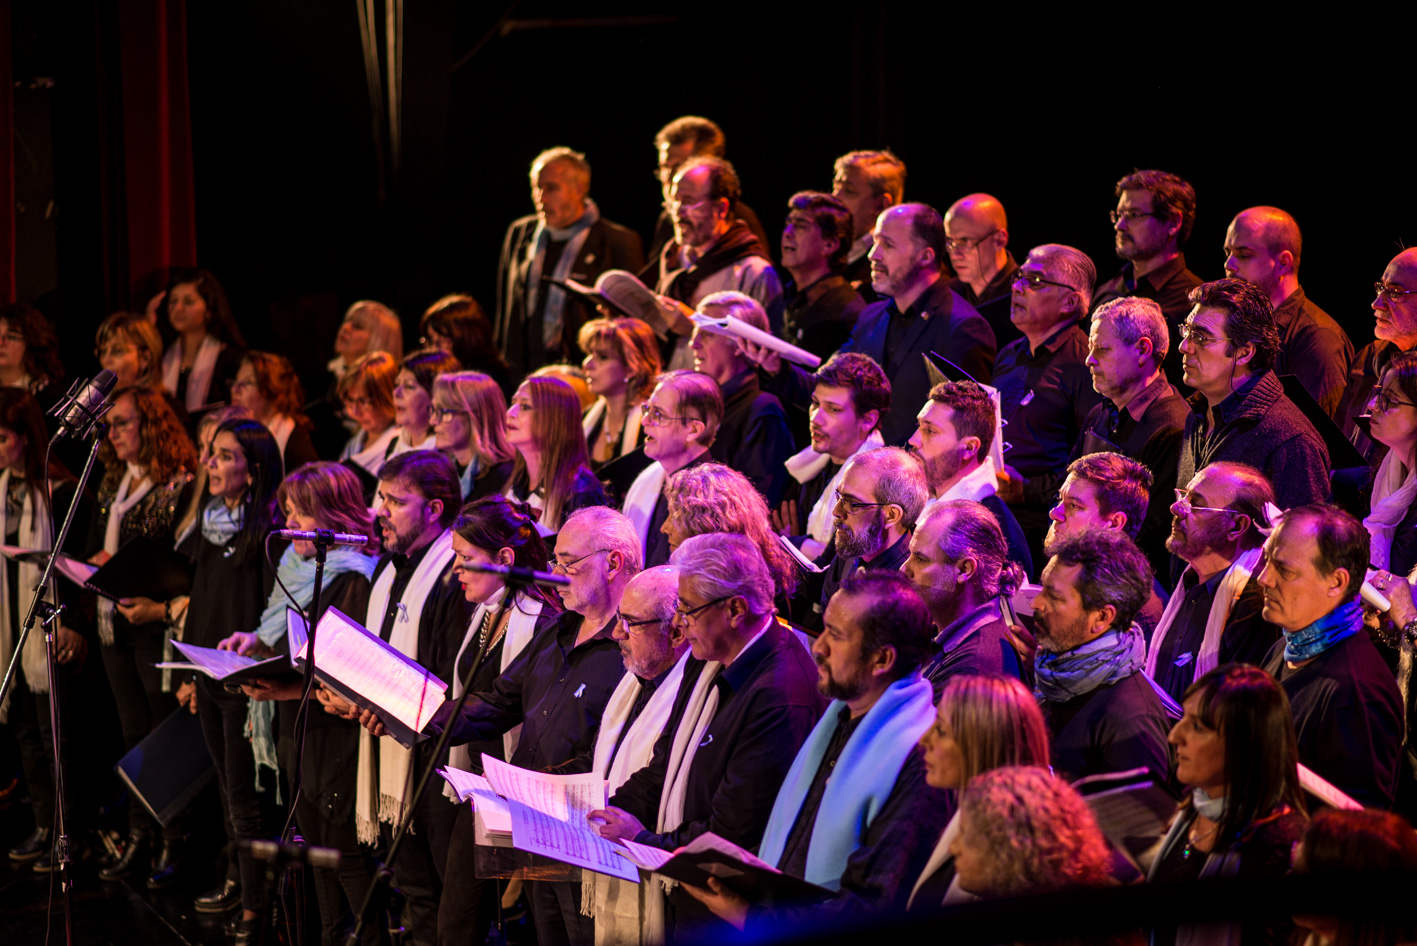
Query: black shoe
[169, 859]
[221, 899]
[47, 864]
[32, 846]
[243, 932]
[134, 857]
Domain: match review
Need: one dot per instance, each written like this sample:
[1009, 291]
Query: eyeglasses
[1034, 280]
[567, 566]
[1131, 216]
[674, 205]
[631, 625]
[113, 351]
[1188, 333]
[444, 414]
[1183, 499]
[1393, 293]
[855, 505]
[680, 614]
[122, 423]
[651, 416]
[1382, 402]
[965, 244]
[354, 403]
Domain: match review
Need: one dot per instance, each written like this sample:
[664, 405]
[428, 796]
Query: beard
[1193, 539]
[834, 689]
[940, 470]
[1062, 638]
[645, 666]
[851, 543]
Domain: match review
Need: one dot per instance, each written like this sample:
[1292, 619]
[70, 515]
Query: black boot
[221, 899]
[32, 846]
[169, 859]
[134, 857]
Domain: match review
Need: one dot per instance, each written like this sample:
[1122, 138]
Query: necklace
[1194, 839]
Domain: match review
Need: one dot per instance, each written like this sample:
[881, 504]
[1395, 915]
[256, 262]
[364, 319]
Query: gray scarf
[1114, 656]
[574, 236]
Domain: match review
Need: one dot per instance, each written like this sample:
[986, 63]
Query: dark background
[1044, 110]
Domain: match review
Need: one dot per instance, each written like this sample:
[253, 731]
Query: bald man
[977, 239]
[1262, 247]
[1396, 330]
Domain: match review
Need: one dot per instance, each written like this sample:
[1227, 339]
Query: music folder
[141, 569]
[169, 767]
[709, 855]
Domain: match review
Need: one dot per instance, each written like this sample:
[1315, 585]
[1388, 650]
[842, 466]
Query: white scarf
[199, 379]
[123, 501]
[641, 498]
[808, 464]
[281, 427]
[34, 533]
[938, 856]
[615, 903]
[1237, 576]
[521, 626]
[390, 781]
[629, 437]
[1394, 488]
[574, 236]
[371, 456]
[977, 485]
[403, 446]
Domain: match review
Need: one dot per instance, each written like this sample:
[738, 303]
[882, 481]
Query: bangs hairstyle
[482, 400]
[221, 324]
[278, 383]
[427, 364]
[332, 495]
[382, 323]
[164, 449]
[995, 721]
[258, 503]
[135, 329]
[1121, 484]
[870, 388]
[710, 497]
[630, 342]
[429, 473]
[41, 361]
[556, 430]
[1249, 318]
[461, 318]
[1250, 711]
[833, 220]
[493, 523]
[371, 375]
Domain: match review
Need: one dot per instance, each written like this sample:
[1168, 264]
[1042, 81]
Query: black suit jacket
[518, 332]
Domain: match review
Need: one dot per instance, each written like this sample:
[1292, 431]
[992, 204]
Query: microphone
[79, 410]
[322, 537]
[516, 575]
[290, 853]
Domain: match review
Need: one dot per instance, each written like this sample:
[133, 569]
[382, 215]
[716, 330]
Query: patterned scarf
[1333, 628]
[1114, 656]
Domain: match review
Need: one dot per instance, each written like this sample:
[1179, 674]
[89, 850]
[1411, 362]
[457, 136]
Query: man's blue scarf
[1338, 625]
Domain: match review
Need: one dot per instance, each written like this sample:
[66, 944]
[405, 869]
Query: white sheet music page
[214, 663]
[570, 842]
[567, 797]
[356, 659]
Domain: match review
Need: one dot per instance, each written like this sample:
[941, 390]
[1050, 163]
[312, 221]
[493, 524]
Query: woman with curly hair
[413, 397]
[621, 364]
[470, 426]
[552, 471]
[267, 386]
[456, 324]
[207, 345]
[147, 481]
[712, 498]
[29, 353]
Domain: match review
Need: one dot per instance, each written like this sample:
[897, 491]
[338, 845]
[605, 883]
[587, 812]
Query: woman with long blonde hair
[552, 471]
[470, 426]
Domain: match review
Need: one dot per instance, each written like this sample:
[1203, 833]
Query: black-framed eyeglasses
[567, 566]
[1382, 402]
[1132, 216]
[1392, 292]
[965, 244]
[631, 625]
[1188, 333]
[855, 505]
[680, 614]
[1034, 280]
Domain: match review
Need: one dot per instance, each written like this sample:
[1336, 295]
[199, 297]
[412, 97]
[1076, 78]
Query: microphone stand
[51, 623]
[380, 890]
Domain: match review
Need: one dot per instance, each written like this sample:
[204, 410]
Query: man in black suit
[537, 322]
[918, 314]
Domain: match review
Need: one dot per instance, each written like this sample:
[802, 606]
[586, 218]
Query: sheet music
[491, 809]
[351, 657]
[79, 572]
[567, 797]
[572, 843]
[650, 858]
[214, 663]
[296, 635]
[806, 563]
[728, 325]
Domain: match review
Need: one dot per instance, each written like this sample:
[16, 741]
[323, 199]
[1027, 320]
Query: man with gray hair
[1045, 390]
[560, 684]
[959, 564]
[537, 323]
[748, 702]
[1141, 414]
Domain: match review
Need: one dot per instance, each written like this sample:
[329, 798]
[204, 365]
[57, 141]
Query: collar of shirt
[891, 557]
[1148, 395]
[1001, 285]
[571, 628]
[1052, 343]
[407, 563]
[1161, 275]
[738, 382]
[845, 725]
[859, 247]
[966, 624]
[653, 684]
[1233, 404]
[736, 674]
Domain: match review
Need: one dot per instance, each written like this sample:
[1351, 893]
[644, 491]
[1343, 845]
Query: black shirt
[656, 542]
[976, 642]
[1113, 728]
[995, 302]
[1246, 639]
[754, 438]
[445, 611]
[819, 317]
[799, 839]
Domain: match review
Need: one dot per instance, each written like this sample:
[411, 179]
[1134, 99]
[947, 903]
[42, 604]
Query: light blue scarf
[1338, 625]
[1114, 656]
[298, 574]
[860, 784]
[219, 523]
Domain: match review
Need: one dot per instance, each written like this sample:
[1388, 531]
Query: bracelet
[1409, 632]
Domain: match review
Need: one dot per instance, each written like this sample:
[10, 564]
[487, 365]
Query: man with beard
[1141, 415]
[957, 564]
[880, 497]
[868, 183]
[560, 684]
[1395, 327]
[855, 814]
[820, 306]
[417, 606]
[977, 238]
[1154, 216]
[919, 314]
[850, 396]
[957, 427]
[1348, 711]
[1104, 713]
[1262, 247]
[1214, 616]
[712, 251]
